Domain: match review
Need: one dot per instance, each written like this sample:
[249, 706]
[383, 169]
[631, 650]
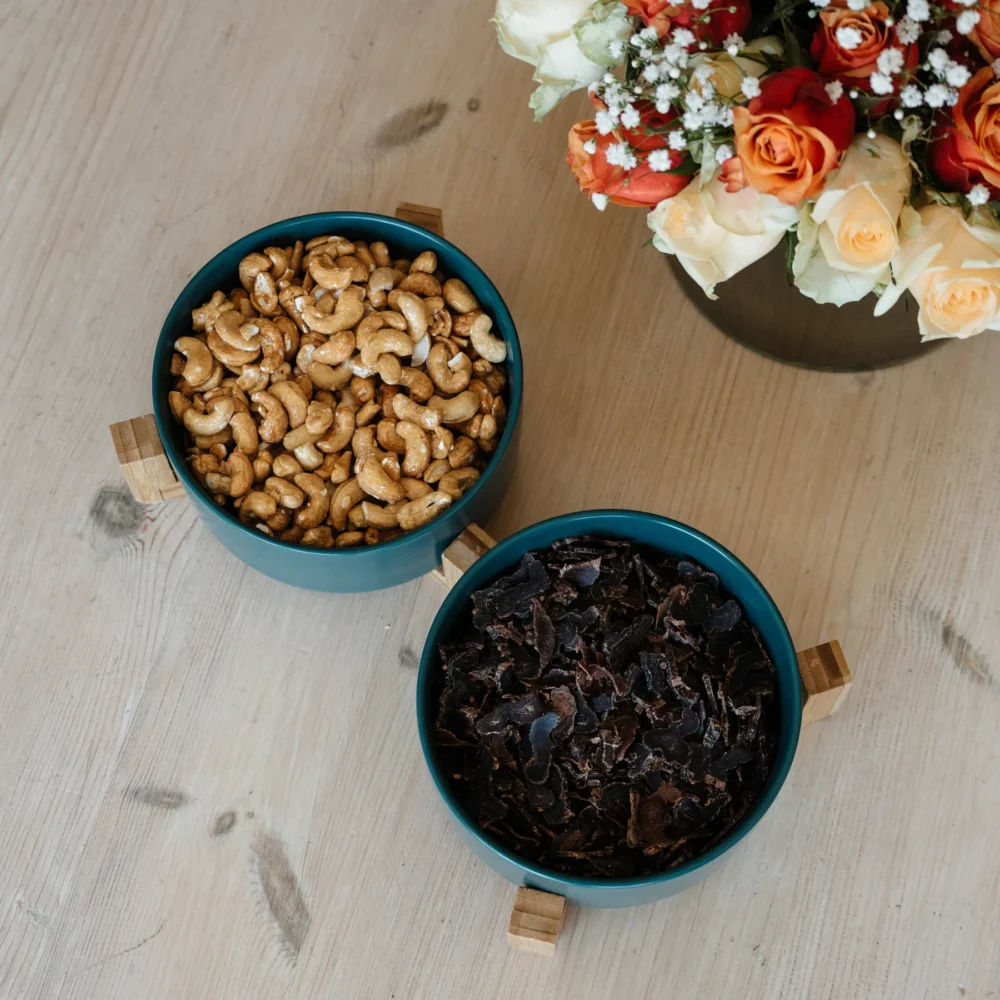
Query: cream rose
[848, 238]
[951, 267]
[725, 72]
[715, 234]
[567, 41]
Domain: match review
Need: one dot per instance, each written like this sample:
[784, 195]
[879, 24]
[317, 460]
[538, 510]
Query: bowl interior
[403, 239]
[671, 538]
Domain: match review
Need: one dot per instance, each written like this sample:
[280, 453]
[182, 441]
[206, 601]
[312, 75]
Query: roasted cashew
[290, 335]
[272, 343]
[426, 262]
[459, 296]
[204, 317]
[213, 380]
[423, 510]
[250, 267]
[456, 409]
[488, 428]
[385, 394]
[228, 329]
[336, 350]
[450, 375]
[406, 409]
[293, 534]
[330, 378]
[339, 435]
[359, 273]
[299, 436]
[274, 420]
[215, 419]
[286, 466]
[241, 301]
[413, 311]
[386, 342]
[206, 441]
[253, 379]
[349, 310]
[318, 506]
[419, 384]
[262, 466]
[265, 294]
[320, 537]
[203, 464]
[442, 441]
[257, 505]
[240, 470]
[420, 283]
[384, 279]
[438, 468]
[363, 444]
[179, 405]
[346, 496]
[389, 368]
[339, 469]
[319, 418]
[420, 351]
[327, 274]
[380, 254]
[390, 463]
[376, 482]
[200, 363]
[293, 399]
[245, 433]
[308, 456]
[289, 299]
[394, 319]
[388, 438]
[456, 482]
[463, 453]
[418, 451]
[493, 349]
[375, 516]
[368, 413]
[287, 494]
[414, 488]
[279, 261]
[348, 539]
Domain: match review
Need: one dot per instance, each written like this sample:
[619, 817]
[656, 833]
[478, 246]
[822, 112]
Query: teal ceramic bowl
[671, 538]
[341, 570]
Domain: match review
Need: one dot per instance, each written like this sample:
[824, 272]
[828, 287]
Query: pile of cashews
[339, 397]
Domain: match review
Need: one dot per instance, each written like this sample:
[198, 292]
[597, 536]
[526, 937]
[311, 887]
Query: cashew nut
[336, 468]
[318, 506]
[350, 308]
[308, 456]
[239, 468]
[406, 409]
[450, 375]
[206, 441]
[420, 351]
[348, 539]
[380, 254]
[216, 418]
[368, 413]
[293, 399]
[261, 466]
[339, 435]
[363, 254]
[286, 466]
[375, 516]
[287, 494]
[200, 362]
[274, 420]
[493, 349]
[426, 262]
[418, 383]
[320, 537]
[442, 441]
[330, 378]
[245, 433]
[393, 319]
[251, 266]
[265, 293]
[253, 379]
[179, 404]
[202, 465]
[418, 451]
[463, 453]
[227, 329]
[388, 438]
[384, 279]
[289, 332]
[346, 496]
[459, 296]
[337, 349]
[272, 343]
[438, 468]
[376, 482]
[300, 435]
[414, 312]
[386, 342]
[414, 488]
[257, 505]
[456, 409]
[203, 318]
[420, 283]
[327, 274]
[390, 463]
[423, 510]
[456, 482]
[319, 417]
[389, 368]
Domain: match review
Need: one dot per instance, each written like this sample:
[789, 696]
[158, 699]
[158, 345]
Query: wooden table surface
[179, 733]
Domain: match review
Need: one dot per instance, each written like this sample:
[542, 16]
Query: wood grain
[259, 722]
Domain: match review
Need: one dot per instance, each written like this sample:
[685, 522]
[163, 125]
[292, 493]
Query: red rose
[986, 34]
[853, 67]
[640, 187]
[791, 136]
[968, 152]
[714, 24]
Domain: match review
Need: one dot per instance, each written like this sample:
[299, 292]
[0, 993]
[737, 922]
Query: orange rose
[853, 67]
[791, 136]
[640, 187]
[719, 20]
[968, 152]
[986, 34]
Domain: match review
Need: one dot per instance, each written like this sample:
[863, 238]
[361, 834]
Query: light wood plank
[213, 784]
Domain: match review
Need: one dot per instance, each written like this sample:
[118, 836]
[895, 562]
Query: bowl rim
[782, 650]
[269, 234]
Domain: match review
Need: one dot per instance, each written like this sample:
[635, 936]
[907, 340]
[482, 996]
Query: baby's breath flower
[943, 37]
[677, 139]
[819, 3]
[848, 37]
[857, 4]
[880, 83]
[908, 31]
[979, 195]
[750, 86]
[834, 90]
[936, 96]
[957, 75]
[700, 4]
[918, 10]
[683, 37]
[911, 96]
[967, 21]
[890, 61]
[723, 153]
[734, 44]
[619, 154]
[938, 61]
[604, 122]
[630, 116]
[659, 160]
[616, 47]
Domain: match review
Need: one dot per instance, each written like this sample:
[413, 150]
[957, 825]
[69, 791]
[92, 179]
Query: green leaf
[794, 53]
[687, 168]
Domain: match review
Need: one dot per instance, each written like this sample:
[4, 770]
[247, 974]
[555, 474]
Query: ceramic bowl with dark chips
[608, 702]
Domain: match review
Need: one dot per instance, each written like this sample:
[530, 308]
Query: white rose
[725, 72]
[567, 41]
[715, 233]
[951, 267]
[850, 235]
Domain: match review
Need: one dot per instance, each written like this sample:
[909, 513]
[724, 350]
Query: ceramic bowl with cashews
[339, 394]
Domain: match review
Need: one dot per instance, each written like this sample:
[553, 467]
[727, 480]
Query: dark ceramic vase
[761, 310]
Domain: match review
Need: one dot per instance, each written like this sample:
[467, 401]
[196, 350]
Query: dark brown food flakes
[607, 711]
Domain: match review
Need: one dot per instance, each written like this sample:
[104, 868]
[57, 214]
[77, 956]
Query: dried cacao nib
[606, 711]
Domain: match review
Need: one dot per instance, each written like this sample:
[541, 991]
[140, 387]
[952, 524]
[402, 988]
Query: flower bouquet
[863, 136]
